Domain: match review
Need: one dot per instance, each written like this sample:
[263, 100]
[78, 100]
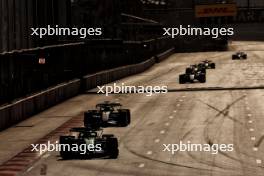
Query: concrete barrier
[104, 77]
[21, 109]
[24, 108]
[4, 112]
[164, 55]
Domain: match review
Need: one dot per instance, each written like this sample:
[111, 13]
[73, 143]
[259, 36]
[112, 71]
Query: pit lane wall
[24, 108]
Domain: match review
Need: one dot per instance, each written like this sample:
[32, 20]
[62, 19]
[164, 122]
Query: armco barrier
[24, 108]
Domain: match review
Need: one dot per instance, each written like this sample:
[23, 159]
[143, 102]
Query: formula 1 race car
[107, 115]
[239, 55]
[207, 64]
[195, 68]
[192, 75]
[88, 143]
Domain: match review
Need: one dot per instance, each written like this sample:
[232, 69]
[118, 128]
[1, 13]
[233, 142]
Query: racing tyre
[203, 70]
[112, 147]
[125, 117]
[202, 78]
[65, 155]
[91, 119]
[182, 79]
[188, 70]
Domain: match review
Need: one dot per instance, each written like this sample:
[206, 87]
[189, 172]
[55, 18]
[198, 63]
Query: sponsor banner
[249, 16]
[215, 10]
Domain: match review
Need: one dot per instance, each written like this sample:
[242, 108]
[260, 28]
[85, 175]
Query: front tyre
[202, 78]
[66, 140]
[125, 117]
[182, 79]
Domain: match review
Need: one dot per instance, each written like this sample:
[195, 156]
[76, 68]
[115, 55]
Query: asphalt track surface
[233, 115]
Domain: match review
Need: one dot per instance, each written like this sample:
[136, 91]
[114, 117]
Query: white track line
[141, 165]
[162, 132]
[258, 161]
[157, 140]
[149, 152]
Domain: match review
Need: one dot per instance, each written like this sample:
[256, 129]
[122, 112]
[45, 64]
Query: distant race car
[207, 64]
[192, 75]
[107, 114]
[88, 143]
[239, 55]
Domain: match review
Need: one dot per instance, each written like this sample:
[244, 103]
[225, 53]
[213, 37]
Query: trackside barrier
[104, 77]
[164, 55]
[22, 109]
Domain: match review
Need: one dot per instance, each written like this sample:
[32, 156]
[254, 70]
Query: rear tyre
[112, 147]
[213, 65]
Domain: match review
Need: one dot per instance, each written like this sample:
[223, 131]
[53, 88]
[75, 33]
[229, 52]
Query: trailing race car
[106, 115]
[207, 64]
[195, 68]
[192, 75]
[239, 55]
[88, 143]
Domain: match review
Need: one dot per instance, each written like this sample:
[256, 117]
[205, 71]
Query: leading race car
[107, 114]
[192, 75]
[239, 55]
[208, 64]
[88, 143]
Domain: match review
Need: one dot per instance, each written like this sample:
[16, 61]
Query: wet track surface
[233, 115]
